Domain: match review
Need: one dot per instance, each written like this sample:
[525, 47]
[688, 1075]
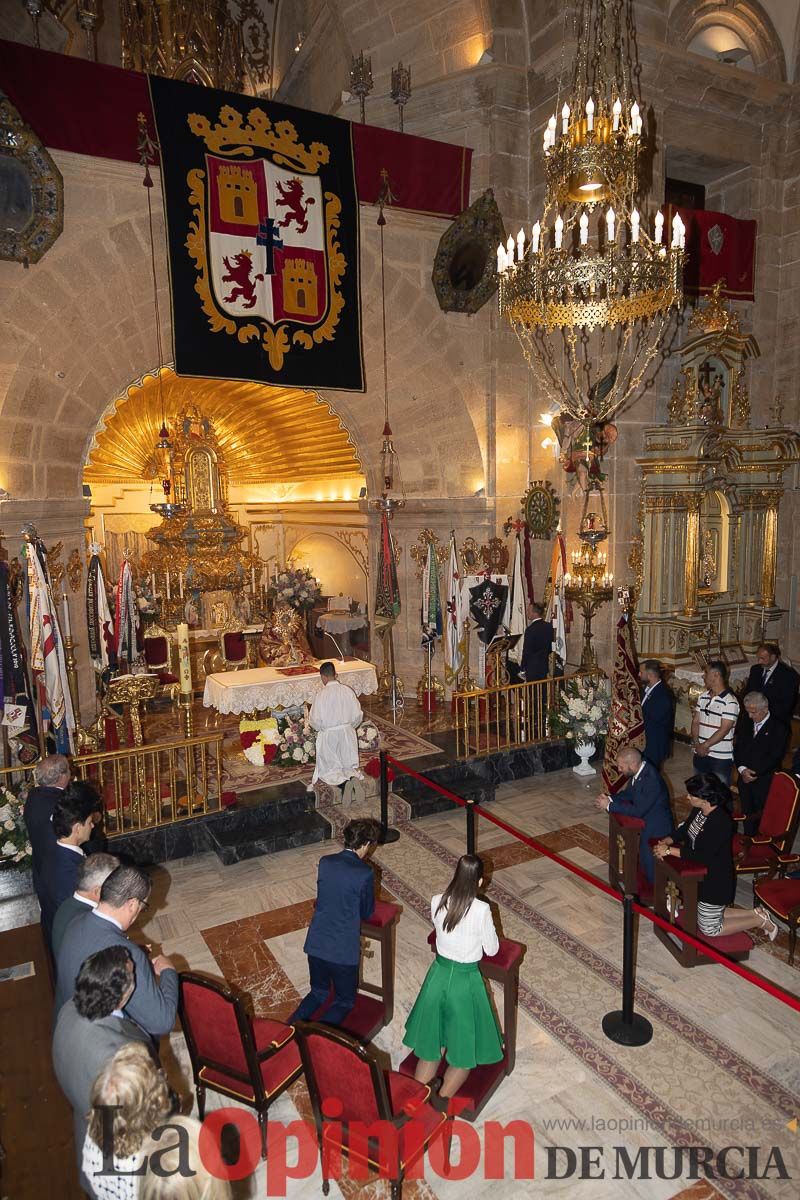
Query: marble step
[424, 801]
[234, 845]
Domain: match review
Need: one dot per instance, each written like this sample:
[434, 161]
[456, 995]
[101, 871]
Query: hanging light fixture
[594, 286]
[392, 479]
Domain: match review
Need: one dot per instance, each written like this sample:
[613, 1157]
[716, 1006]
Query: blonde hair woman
[135, 1089]
[169, 1184]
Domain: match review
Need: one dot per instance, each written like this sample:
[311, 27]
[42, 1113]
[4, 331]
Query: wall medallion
[31, 191]
[540, 506]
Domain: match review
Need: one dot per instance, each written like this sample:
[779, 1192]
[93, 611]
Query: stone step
[424, 801]
[234, 845]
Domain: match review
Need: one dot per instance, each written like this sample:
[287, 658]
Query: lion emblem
[292, 199]
[241, 276]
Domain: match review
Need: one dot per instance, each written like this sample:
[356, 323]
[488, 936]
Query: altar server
[335, 715]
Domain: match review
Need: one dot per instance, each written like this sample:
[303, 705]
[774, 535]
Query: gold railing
[14, 776]
[147, 786]
[511, 715]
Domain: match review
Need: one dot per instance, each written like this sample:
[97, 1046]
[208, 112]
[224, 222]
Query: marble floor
[722, 1069]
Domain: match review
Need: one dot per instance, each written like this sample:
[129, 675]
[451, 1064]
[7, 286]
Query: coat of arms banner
[262, 230]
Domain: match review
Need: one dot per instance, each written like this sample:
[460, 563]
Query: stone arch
[747, 18]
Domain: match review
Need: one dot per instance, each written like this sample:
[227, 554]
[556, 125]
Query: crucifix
[268, 238]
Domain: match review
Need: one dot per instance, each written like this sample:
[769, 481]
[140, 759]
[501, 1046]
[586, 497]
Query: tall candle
[184, 661]
[168, 591]
[253, 580]
[65, 608]
[152, 584]
[180, 582]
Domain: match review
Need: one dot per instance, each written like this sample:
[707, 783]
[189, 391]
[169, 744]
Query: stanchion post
[387, 833]
[624, 1026]
[470, 809]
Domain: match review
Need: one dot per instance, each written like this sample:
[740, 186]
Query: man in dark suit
[73, 822]
[91, 1028]
[646, 797]
[345, 898]
[758, 750]
[123, 897]
[52, 776]
[658, 712]
[537, 646]
[94, 871]
[775, 680]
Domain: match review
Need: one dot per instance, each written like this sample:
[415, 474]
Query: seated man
[123, 897]
[646, 797]
[73, 823]
[94, 871]
[90, 1029]
[758, 749]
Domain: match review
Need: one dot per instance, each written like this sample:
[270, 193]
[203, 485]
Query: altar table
[271, 687]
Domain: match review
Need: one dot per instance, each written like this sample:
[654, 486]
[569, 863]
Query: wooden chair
[781, 896]
[675, 899]
[157, 655]
[374, 1006]
[352, 1095]
[483, 1080]
[755, 854]
[248, 1058]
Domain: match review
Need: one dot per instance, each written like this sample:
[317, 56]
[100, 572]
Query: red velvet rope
[771, 989]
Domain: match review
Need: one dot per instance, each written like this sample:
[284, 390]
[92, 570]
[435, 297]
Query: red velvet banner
[89, 108]
[717, 247]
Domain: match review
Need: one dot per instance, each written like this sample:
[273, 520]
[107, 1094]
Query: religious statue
[283, 641]
[191, 614]
[583, 445]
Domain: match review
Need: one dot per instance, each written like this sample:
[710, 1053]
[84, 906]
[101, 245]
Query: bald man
[644, 796]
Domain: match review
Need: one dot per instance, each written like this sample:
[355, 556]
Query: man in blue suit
[345, 898]
[658, 712]
[73, 822]
[646, 797]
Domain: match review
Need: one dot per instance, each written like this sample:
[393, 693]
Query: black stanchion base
[388, 835]
[637, 1032]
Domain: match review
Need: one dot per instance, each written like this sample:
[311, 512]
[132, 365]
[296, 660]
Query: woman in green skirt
[452, 1013]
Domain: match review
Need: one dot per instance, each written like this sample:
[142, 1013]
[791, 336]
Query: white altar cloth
[245, 691]
[339, 622]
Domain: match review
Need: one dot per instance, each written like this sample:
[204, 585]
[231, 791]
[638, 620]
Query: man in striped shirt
[713, 723]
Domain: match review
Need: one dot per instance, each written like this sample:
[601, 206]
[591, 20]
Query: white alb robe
[336, 714]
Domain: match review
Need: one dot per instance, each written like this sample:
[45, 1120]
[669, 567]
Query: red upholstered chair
[349, 1090]
[756, 854]
[781, 897]
[675, 899]
[483, 1080]
[233, 648]
[249, 1058]
[158, 659]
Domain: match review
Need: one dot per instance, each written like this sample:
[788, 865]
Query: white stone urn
[584, 751]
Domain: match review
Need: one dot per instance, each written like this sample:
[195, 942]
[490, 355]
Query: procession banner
[625, 723]
[718, 247]
[262, 233]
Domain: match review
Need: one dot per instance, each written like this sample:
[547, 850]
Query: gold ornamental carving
[470, 556]
[495, 556]
[740, 400]
[55, 567]
[419, 551]
[714, 316]
[75, 570]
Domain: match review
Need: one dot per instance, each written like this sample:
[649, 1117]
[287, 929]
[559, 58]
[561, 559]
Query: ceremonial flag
[387, 593]
[718, 247]
[99, 622]
[47, 650]
[15, 688]
[126, 618]
[515, 619]
[453, 649]
[557, 608]
[263, 236]
[625, 724]
[487, 605]
[431, 614]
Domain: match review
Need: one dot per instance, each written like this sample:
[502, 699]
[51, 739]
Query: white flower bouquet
[368, 737]
[581, 713]
[15, 849]
[297, 587]
[297, 745]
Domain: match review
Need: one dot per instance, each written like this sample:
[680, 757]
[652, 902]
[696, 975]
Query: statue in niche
[711, 385]
[708, 560]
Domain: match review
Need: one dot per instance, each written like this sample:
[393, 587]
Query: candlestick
[565, 118]
[67, 631]
[184, 659]
[659, 226]
[559, 232]
[180, 583]
[590, 114]
[501, 259]
[169, 596]
[152, 585]
[537, 233]
[616, 112]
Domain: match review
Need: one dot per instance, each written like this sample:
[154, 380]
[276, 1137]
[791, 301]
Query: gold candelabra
[361, 79]
[589, 585]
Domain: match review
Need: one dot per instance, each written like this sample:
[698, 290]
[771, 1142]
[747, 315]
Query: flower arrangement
[15, 849]
[368, 736]
[259, 740]
[295, 586]
[582, 710]
[297, 745]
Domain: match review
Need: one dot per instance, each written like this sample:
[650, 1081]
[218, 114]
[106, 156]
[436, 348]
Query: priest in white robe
[335, 715]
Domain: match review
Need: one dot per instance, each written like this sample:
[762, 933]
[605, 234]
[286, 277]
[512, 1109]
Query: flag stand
[428, 689]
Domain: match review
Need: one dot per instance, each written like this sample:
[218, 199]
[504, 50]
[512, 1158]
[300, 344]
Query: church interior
[455, 343]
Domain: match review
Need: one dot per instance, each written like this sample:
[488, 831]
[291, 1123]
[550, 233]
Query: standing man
[758, 748]
[713, 723]
[775, 680]
[345, 898]
[94, 871]
[52, 775]
[537, 645]
[73, 823]
[658, 712]
[646, 797]
[335, 714]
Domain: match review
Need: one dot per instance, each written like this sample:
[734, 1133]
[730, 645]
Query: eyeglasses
[143, 905]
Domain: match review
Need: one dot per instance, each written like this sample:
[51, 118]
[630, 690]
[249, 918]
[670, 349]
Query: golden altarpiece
[705, 553]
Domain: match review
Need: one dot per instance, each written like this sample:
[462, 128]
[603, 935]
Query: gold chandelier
[593, 287]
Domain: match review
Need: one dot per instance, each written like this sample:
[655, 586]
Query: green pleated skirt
[452, 1013]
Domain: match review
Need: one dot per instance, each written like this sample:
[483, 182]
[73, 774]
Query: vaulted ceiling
[267, 434]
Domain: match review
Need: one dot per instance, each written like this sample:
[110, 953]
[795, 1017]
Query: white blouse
[111, 1187]
[473, 936]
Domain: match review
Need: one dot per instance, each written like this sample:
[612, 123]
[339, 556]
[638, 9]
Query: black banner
[262, 230]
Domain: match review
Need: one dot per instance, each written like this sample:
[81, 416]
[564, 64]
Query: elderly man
[758, 749]
[94, 871]
[123, 897]
[713, 723]
[658, 713]
[644, 796]
[775, 680]
[335, 714]
[52, 775]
